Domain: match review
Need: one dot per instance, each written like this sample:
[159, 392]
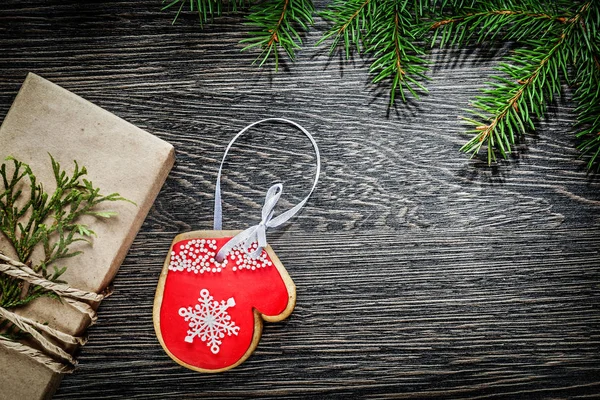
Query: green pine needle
[513, 103]
[392, 42]
[349, 19]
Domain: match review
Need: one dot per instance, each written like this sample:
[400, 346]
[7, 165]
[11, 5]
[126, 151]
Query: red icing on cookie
[207, 311]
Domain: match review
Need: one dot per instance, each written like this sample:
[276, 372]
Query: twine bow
[74, 297]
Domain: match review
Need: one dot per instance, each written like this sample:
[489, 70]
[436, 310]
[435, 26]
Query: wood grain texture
[419, 274]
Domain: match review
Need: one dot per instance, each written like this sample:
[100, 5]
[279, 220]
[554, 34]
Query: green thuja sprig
[30, 216]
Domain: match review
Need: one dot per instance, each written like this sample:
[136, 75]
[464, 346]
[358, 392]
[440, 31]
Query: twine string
[42, 334]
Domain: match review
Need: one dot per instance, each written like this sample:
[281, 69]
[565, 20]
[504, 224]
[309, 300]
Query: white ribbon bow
[258, 233]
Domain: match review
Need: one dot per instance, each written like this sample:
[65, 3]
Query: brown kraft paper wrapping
[47, 119]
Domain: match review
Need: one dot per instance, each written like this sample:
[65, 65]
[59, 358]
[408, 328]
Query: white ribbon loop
[258, 233]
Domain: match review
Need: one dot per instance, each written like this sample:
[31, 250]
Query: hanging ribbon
[257, 233]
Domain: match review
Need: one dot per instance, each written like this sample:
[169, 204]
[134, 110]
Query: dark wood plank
[419, 274]
[378, 314]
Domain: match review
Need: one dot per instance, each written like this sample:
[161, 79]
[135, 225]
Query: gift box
[44, 120]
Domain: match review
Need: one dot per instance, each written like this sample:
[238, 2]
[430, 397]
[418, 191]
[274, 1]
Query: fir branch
[392, 41]
[389, 32]
[587, 80]
[488, 23]
[512, 103]
[557, 41]
[278, 24]
[550, 45]
[47, 219]
[206, 9]
[349, 19]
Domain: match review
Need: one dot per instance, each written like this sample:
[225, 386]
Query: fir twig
[278, 24]
[587, 79]
[389, 32]
[349, 20]
[557, 42]
[554, 38]
[504, 20]
[207, 9]
[512, 103]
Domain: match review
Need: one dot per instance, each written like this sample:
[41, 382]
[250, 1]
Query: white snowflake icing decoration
[198, 256]
[209, 321]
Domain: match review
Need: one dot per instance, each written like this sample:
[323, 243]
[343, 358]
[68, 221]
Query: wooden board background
[419, 274]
